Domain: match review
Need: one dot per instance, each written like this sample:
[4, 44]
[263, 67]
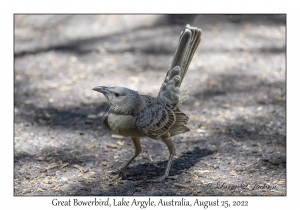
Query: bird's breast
[124, 125]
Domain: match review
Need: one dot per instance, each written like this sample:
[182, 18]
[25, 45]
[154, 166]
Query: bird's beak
[101, 89]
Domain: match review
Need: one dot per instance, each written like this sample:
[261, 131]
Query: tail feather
[188, 42]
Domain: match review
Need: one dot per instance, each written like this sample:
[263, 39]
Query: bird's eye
[117, 94]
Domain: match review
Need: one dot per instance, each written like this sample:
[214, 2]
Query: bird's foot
[159, 179]
[117, 174]
[114, 177]
[117, 171]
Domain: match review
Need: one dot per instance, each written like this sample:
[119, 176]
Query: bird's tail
[189, 40]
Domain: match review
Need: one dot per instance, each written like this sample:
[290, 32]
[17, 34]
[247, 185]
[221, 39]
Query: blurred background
[237, 104]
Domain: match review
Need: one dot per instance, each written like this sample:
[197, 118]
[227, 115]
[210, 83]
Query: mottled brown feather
[156, 119]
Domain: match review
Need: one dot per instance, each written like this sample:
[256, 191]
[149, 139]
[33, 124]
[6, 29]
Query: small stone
[85, 169]
[173, 177]
[88, 121]
[101, 114]
[64, 179]
[34, 176]
[48, 158]
[174, 191]
[47, 115]
[184, 193]
[43, 187]
[21, 171]
[200, 130]
[42, 175]
[197, 103]
[90, 163]
[278, 124]
[92, 116]
[50, 173]
[42, 121]
[40, 158]
[17, 167]
[42, 170]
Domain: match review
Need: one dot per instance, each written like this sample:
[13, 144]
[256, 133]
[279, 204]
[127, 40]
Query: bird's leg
[138, 149]
[168, 141]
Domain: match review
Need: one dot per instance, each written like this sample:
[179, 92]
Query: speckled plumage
[135, 115]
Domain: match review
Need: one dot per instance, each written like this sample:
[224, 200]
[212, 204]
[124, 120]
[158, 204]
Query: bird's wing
[179, 126]
[188, 42]
[156, 119]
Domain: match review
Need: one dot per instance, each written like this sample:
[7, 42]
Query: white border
[8, 8]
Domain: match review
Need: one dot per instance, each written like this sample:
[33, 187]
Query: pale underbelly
[124, 125]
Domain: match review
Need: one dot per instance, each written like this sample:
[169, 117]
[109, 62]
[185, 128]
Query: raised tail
[189, 40]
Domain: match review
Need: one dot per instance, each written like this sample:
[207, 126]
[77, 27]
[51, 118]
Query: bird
[134, 115]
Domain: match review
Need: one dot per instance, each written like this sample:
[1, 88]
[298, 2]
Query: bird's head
[122, 100]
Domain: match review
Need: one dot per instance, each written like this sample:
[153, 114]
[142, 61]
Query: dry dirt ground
[237, 104]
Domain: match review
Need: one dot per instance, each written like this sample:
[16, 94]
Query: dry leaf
[120, 143]
[90, 146]
[65, 88]
[40, 158]
[181, 185]
[233, 173]
[64, 165]
[202, 171]
[225, 105]
[78, 167]
[114, 146]
[117, 136]
[55, 188]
